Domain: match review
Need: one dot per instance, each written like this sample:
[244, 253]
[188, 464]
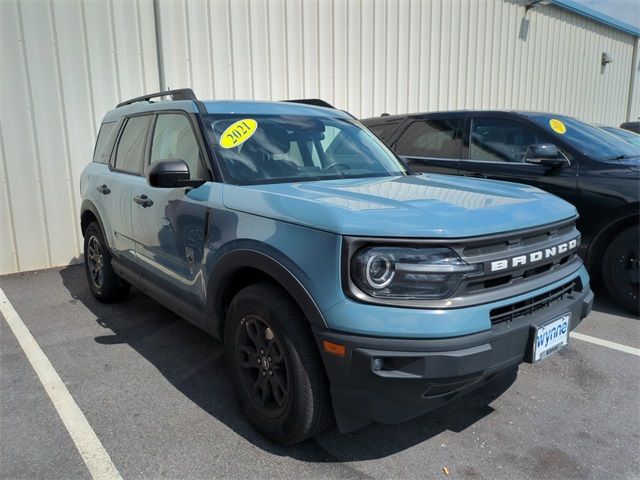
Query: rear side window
[130, 151]
[104, 143]
[383, 130]
[435, 138]
[500, 140]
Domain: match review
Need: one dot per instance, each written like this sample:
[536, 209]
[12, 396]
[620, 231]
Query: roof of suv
[217, 107]
[390, 118]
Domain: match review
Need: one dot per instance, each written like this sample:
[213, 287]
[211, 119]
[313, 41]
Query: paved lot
[157, 395]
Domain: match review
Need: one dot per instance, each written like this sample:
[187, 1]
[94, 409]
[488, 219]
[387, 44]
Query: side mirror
[546, 155]
[171, 174]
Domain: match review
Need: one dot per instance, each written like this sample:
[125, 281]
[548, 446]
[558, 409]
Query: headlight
[409, 273]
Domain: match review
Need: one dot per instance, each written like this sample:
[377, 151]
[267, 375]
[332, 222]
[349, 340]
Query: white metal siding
[398, 56]
[63, 64]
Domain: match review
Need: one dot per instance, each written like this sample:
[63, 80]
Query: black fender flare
[89, 206]
[270, 262]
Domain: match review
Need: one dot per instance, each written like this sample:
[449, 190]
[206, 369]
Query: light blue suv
[342, 285]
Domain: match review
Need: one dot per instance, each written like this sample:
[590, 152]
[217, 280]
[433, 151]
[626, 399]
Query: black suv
[595, 171]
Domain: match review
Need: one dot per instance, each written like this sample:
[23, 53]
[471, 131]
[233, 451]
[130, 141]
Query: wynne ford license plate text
[551, 337]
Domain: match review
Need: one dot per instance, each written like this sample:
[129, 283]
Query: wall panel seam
[252, 69]
[12, 223]
[230, 40]
[114, 50]
[212, 82]
[34, 137]
[85, 46]
[65, 129]
[140, 51]
[187, 35]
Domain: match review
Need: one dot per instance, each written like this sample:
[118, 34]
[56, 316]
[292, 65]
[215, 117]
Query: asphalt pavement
[156, 393]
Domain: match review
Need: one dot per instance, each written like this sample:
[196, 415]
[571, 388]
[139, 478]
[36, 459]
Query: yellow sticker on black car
[238, 133]
[557, 126]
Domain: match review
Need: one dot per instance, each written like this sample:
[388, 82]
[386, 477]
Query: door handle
[103, 189]
[143, 200]
[476, 175]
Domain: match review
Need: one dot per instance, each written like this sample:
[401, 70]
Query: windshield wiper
[619, 157]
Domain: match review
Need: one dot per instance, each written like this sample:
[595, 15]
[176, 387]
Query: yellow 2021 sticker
[238, 133]
[557, 126]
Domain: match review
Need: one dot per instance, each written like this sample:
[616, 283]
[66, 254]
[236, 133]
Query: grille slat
[508, 313]
[505, 246]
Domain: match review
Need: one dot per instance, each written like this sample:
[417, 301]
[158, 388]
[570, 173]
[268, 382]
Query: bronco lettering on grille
[534, 257]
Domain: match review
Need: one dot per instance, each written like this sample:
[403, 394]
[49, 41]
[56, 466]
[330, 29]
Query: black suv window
[383, 130]
[104, 143]
[130, 151]
[500, 140]
[174, 139]
[434, 138]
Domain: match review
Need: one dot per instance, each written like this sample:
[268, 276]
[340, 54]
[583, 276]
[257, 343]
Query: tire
[283, 388]
[103, 281]
[620, 269]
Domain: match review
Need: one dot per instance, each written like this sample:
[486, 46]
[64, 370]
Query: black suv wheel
[275, 366]
[620, 269]
[105, 285]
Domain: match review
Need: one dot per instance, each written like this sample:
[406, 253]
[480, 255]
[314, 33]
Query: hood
[418, 206]
[632, 164]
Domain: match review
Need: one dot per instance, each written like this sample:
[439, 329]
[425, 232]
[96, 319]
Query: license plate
[551, 337]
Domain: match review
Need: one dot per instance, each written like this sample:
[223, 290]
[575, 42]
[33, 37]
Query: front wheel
[274, 365]
[620, 269]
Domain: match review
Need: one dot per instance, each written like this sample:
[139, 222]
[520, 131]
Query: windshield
[269, 149]
[626, 135]
[587, 139]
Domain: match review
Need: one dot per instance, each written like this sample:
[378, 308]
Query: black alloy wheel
[103, 281]
[95, 261]
[264, 372]
[621, 269]
[275, 366]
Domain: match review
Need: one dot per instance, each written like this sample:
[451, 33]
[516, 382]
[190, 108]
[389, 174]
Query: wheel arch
[242, 267]
[89, 213]
[599, 243]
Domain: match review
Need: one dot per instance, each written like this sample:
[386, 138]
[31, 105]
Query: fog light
[377, 364]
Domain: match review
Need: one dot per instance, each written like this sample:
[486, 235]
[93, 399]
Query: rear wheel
[275, 366]
[620, 269]
[104, 283]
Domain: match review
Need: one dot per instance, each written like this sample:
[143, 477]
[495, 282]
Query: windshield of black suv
[626, 135]
[587, 139]
[262, 149]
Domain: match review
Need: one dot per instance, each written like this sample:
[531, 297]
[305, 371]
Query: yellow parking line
[93, 453]
[606, 343]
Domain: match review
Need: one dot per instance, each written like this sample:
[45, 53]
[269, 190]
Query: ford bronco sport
[342, 285]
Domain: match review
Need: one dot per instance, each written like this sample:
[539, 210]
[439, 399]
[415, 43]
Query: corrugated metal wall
[63, 64]
[399, 56]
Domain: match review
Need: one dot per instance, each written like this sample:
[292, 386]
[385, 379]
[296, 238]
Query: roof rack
[312, 101]
[179, 94]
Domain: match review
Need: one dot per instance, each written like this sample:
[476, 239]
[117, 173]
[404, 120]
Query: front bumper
[419, 375]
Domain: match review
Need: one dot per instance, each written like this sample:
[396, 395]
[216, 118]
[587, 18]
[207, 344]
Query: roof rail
[179, 94]
[312, 101]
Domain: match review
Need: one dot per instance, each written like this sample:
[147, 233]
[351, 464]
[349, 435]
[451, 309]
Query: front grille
[509, 313]
[518, 241]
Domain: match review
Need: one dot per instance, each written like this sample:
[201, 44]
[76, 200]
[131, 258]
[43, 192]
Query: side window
[382, 131]
[500, 140]
[173, 139]
[130, 151]
[104, 143]
[435, 138]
